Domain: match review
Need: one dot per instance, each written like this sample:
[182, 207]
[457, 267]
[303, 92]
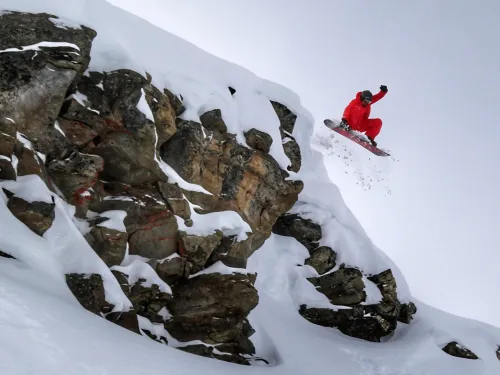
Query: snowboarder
[356, 114]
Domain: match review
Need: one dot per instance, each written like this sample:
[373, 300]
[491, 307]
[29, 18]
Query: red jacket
[355, 113]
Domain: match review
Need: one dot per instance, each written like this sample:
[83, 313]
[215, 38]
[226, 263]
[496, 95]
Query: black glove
[345, 125]
[383, 88]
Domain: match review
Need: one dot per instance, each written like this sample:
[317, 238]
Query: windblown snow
[44, 330]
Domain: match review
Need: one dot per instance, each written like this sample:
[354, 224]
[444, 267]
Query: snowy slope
[45, 331]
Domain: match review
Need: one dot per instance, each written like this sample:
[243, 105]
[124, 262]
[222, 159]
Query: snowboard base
[353, 137]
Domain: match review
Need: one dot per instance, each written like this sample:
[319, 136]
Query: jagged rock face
[456, 350]
[33, 83]
[240, 179]
[345, 287]
[110, 124]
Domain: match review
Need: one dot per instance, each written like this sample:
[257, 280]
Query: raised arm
[380, 95]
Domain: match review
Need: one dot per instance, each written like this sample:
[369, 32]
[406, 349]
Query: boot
[372, 141]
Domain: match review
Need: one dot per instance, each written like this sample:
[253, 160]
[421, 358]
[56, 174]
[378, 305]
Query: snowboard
[355, 138]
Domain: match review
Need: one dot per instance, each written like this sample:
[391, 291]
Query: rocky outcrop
[345, 286]
[239, 179]
[457, 350]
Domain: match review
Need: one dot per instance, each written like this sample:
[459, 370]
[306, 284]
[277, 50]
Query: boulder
[303, 230]
[109, 244]
[149, 301]
[259, 140]
[212, 120]
[88, 290]
[343, 287]
[38, 216]
[457, 350]
[197, 249]
[322, 259]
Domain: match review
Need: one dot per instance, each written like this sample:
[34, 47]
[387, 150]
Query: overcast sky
[439, 59]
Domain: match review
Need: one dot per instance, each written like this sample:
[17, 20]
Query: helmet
[366, 95]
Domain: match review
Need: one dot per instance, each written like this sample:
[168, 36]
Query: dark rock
[109, 244]
[38, 216]
[46, 74]
[164, 113]
[89, 290]
[292, 150]
[175, 102]
[152, 228]
[28, 162]
[212, 120]
[157, 338]
[456, 350]
[7, 137]
[211, 308]
[231, 90]
[125, 319]
[259, 140]
[286, 117]
[386, 283]
[77, 132]
[353, 322]
[406, 312]
[322, 259]
[498, 353]
[343, 287]
[173, 270]
[149, 301]
[75, 175]
[155, 236]
[172, 193]
[5, 255]
[198, 349]
[7, 171]
[303, 230]
[197, 249]
[127, 139]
